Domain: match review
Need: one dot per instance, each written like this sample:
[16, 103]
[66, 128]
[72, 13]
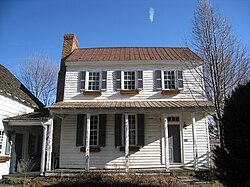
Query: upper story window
[93, 81]
[168, 80]
[129, 80]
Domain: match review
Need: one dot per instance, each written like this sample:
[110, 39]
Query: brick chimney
[70, 43]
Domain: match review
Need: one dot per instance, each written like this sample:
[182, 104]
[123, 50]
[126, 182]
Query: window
[132, 130]
[168, 80]
[92, 81]
[97, 130]
[94, 130]
[129, 80]
[136, 130]
[1, 141]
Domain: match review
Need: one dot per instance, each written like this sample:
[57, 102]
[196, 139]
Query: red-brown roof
[132, 54]
[132, 104]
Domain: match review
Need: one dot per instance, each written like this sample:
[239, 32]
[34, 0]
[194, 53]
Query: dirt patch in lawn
[93, 179]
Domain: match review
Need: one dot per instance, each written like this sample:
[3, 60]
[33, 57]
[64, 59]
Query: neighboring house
[21, 119]
[130, 108]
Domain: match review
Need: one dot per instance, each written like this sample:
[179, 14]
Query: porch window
[97, 130]
[129, 80]
[168, 80]
[1, 141]
[136, 130]
[92, 81]
[132, 130]
[94, 130]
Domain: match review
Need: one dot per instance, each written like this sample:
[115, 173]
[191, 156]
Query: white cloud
[151, 14]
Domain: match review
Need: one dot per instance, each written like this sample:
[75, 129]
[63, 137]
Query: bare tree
[39, 75]
[226, 63]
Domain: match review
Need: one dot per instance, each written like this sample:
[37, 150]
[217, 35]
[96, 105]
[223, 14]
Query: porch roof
[36, 115]
[131, 104]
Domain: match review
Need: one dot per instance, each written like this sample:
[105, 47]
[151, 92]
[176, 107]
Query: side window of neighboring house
[168, 80]
[1, 141]
[129, 80]
[92, 81]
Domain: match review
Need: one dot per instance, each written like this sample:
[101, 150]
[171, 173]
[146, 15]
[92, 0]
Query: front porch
[143, 138]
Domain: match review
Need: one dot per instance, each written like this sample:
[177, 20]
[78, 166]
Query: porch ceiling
[132, 104]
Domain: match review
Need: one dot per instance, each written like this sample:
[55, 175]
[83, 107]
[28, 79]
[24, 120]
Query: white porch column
[165, 120]
[87, 141]
[42, 169]
[49, 145]
[126, 143]
[194, 142]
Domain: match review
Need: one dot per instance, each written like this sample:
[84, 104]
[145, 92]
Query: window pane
[94, 81]
[94, 130]
[169, 80]
[129, 80]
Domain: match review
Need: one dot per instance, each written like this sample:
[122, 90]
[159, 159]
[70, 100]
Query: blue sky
[37, 26]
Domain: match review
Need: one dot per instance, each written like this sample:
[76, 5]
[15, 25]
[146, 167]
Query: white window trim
[86, 86]
[175, 77]
[136, 79]
[100, 78]
[123, 130]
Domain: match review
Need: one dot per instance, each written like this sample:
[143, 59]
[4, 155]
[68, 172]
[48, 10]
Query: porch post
[195, 154]
[126, 143]
[165, 119]
[87, 141]
[49, 145]
[42, 169]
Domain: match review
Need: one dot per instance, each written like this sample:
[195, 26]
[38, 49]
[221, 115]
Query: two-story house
[130, 108]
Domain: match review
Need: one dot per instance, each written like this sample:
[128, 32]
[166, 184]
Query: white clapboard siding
[72, 92]
[110, 156]
[150, 156]
[10, 107]
[201, 140]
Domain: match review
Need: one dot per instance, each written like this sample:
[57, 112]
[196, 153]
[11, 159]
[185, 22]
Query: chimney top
[69, 45]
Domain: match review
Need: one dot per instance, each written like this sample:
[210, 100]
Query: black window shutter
[140, 129]
[140, 80]
[118, 129]
[118, 80]
[157, 78]
[82, 80]
[81, 121]
[104, 80]
[102, 129]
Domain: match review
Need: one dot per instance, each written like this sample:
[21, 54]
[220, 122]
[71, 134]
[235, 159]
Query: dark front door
[174, 144]
[18, 147]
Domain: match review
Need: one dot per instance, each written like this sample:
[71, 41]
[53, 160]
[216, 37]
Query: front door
[174, 143]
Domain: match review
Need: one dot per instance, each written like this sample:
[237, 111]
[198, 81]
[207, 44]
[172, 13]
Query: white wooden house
[130, 108]
[22, 120]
